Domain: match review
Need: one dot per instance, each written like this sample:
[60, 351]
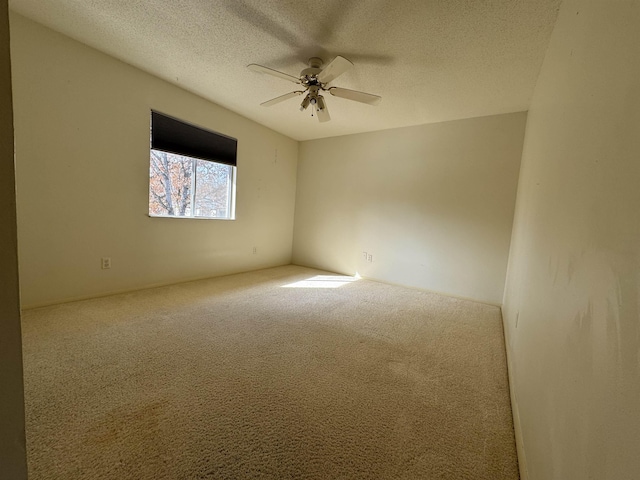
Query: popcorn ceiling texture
[241, 377]
[431, 61]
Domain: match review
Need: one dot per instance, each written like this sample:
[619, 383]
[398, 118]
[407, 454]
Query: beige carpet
[281, 373]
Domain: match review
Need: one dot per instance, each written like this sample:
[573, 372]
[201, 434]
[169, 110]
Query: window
[191, 171]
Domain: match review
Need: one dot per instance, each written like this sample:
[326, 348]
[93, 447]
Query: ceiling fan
[315, 80]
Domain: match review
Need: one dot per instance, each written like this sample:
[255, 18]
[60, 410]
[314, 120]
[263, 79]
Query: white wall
[572, 295]
[13, 459]
[433, 204]
[82, 146]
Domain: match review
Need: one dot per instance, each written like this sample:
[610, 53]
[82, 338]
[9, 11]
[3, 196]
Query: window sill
[190, 218]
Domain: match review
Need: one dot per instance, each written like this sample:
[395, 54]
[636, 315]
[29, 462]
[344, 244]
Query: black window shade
[173, 136]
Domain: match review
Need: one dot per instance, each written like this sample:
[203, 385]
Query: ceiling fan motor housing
[308, 75]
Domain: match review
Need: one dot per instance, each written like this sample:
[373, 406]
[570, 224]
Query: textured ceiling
[430, 60]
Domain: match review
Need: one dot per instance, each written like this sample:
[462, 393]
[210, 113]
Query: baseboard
[446, 294]
[515, 412]
[397, 284]
[111, 293]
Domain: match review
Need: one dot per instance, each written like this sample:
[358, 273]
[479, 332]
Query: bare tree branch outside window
[183, 186]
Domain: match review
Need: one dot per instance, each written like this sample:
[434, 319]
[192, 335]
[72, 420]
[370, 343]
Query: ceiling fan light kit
[315, 80]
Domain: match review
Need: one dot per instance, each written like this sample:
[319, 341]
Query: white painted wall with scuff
[432, 204]
[82, 156]
[571, 303]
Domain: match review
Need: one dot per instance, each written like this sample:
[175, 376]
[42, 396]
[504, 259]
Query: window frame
[220, 143]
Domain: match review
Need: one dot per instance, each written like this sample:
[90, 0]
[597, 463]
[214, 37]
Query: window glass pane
[213, 190]
[170, 184]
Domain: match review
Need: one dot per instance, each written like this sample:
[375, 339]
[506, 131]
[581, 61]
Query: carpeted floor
[281, 373]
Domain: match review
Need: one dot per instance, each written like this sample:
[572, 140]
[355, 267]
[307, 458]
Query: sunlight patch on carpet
[323, 281]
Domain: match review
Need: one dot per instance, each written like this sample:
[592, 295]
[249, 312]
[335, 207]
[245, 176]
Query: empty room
[321, 240]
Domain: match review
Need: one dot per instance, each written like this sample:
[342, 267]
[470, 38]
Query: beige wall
[82, 149]
[13, 462]
[573, 288]
[433, 204]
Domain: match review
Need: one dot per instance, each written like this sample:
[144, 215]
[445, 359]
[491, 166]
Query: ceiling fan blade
[281, 98]
[275, 73]
[336, 67]
[323, 115]
[355, 95]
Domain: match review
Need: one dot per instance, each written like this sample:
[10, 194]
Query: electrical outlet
[106, 263]
[364, 256]
[255, 250]
[369, 258]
